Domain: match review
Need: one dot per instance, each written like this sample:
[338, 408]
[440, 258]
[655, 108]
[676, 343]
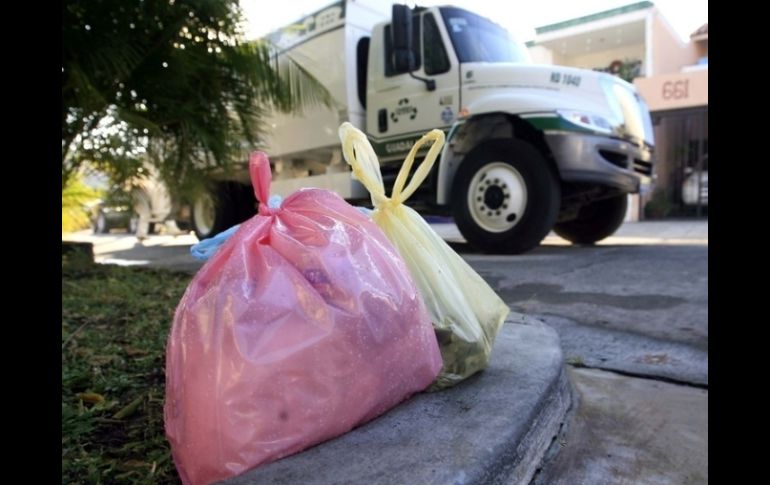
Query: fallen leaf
[132, 351]
[101, 359]
[129, 409]
[90, 397]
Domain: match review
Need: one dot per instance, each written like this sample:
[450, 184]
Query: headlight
[587, 120]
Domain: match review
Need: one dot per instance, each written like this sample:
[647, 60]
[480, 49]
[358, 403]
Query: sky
[518, 17]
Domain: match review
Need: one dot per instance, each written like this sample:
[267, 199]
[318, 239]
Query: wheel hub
[497, 197]
[494, 196]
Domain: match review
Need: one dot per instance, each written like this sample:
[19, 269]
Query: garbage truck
[529, 148]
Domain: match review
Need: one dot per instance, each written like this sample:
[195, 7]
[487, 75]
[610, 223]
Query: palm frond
[175, 84]
[303, 89]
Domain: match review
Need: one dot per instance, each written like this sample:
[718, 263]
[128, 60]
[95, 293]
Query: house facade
[637, 43]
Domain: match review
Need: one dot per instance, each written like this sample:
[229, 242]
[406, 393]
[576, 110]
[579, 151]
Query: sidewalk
[491, 429]
[173, 251]
[645, 232]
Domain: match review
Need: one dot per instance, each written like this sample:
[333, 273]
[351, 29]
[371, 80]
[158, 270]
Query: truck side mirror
[403, 58]
[403, 55]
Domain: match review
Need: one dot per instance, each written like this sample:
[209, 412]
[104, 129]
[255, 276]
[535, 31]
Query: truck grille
[615, 158]
[644, 168]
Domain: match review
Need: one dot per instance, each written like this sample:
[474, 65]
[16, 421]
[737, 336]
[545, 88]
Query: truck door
[400, 108]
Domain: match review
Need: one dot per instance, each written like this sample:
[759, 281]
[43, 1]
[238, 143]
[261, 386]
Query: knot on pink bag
[261, 177]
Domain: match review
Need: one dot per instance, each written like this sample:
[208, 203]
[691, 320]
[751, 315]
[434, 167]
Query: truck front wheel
[595, 221]
[506, 197]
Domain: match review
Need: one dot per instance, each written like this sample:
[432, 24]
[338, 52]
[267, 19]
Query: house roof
[593, 17]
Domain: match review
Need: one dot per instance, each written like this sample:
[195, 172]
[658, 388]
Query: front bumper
[595, 159]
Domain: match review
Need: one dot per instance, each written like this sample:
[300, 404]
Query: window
[362, 60]
[436, 60]
[390, 69]
[476, 39]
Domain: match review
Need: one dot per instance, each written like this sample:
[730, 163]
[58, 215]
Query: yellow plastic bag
[467, 314]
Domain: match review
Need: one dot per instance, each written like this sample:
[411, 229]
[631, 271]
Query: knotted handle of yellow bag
[400, 194]
[360, 155]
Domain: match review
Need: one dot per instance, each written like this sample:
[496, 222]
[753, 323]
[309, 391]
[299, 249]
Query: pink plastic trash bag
[303, 325]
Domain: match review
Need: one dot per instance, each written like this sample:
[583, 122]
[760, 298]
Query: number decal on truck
[568, 79]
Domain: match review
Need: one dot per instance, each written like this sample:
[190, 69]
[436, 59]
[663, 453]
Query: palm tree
[169, 82]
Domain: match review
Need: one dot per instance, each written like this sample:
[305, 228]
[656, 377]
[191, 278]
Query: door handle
[382, 120]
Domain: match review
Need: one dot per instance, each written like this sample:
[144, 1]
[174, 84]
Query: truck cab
[529, 148]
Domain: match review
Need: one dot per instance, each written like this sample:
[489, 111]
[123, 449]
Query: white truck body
[529, 147]
[303, 144]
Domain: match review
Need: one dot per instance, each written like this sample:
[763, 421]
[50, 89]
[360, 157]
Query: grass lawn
[115, 321]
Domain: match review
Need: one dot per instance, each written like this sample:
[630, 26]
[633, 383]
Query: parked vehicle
[138, 208]
[107, 217]
[695, 189]
[529, 148]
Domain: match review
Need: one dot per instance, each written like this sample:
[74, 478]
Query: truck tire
[595, 221]
[506, 197]
[183, 225]
[228, 204]
[101, 225]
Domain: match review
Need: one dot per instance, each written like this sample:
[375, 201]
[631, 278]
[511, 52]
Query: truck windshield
[476, 39]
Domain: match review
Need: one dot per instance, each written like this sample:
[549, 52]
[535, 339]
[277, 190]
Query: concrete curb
[494, 428]
[629, 353]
